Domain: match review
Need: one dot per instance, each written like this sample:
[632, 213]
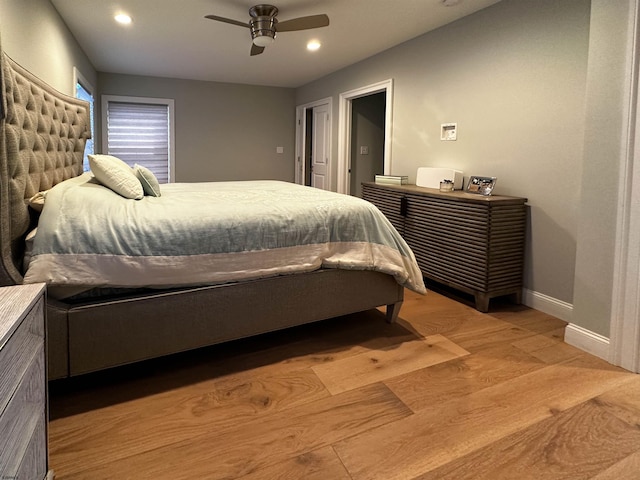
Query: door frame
[344, 129]
[624, 333]
[301, 134]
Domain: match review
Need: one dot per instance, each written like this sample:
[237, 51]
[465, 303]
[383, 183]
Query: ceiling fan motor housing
[263, 24]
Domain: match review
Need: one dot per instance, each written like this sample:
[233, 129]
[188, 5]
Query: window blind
[139, 133]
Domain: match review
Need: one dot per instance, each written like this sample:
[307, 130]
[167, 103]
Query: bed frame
[42, 139]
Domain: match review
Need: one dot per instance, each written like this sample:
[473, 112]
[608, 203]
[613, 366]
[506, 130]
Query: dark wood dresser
[23, 384]
[473, 243]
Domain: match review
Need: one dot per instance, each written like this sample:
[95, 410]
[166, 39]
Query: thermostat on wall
[448, 131]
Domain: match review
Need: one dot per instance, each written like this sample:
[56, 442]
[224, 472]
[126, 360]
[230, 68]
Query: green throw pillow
[149, 182]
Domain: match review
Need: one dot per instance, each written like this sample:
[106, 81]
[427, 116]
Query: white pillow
[116, 175]
[28, 249]
[149, 182]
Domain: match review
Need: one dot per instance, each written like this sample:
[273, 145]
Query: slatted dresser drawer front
[470, 242]
[18, 350]
[388, 202]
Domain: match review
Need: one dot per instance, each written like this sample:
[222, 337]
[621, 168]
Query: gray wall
[607, 107]
[34, 35]
[223, 131]
[513, 76]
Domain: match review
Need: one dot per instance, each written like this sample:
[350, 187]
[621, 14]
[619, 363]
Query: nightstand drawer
[18, 351]
[21, 419]
[32, 465]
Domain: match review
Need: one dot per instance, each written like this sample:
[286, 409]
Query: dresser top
[15, 301]
[458, 195]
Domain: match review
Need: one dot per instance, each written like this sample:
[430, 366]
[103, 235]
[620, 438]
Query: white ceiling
[171, 38]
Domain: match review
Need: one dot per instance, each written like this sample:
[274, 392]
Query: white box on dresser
[23, 384]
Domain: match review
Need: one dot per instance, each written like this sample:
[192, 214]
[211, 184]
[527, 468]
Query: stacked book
[392, 179]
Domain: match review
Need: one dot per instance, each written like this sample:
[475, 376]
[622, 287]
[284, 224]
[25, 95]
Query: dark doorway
[308, 145]
[367, 139]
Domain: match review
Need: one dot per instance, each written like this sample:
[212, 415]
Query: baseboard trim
[549, 305]
[588, 341]
[575, 335]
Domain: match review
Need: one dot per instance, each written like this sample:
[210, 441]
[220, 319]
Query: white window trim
[169, 102]
[82, 80]
[79, 78]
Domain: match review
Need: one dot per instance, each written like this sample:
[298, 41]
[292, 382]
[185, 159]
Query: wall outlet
[449, 131]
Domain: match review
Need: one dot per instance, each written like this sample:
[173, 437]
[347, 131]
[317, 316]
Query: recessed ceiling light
[123, 18]
[313, 45]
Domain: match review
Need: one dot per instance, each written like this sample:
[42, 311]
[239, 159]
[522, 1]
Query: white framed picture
[481, 185]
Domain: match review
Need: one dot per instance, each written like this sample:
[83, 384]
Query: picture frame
[481, 185]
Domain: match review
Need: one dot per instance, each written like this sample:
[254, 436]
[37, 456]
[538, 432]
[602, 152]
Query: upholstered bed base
[98, 335]
[42, 139]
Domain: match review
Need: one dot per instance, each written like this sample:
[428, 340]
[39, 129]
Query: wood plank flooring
[445, 393]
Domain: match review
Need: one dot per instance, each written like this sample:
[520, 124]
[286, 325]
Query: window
[84, 91]
[140, 130]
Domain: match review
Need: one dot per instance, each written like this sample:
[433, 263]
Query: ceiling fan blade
[227, 20]
[256, 50]
[303, 23]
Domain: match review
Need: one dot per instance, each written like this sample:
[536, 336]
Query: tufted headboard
[42, 138]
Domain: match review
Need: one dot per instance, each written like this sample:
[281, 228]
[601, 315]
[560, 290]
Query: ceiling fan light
[263, 41]
[313, 45]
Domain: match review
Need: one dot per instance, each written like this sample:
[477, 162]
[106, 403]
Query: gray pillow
[149, 182]
[113, 173]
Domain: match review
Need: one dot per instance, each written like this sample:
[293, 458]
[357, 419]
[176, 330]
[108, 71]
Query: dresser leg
[482, 302]
[517, 297]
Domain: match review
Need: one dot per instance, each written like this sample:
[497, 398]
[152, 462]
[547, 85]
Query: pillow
[28, 249]
[37, 201]
[113, 173]
[149, 182]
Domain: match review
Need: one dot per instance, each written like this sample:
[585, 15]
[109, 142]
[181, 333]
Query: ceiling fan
[264, 25]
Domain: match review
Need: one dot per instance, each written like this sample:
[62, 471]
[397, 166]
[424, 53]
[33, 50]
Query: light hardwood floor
[446, 393]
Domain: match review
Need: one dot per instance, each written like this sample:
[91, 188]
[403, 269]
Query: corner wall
[609, 81]
[34, 35]
[223, 131]
[513, 77]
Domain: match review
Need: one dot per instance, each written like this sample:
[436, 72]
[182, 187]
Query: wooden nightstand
[23, 384]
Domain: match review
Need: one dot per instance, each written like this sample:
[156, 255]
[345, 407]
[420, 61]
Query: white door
[320, 148]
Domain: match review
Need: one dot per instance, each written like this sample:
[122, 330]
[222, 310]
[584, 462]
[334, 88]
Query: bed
[94, 323]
